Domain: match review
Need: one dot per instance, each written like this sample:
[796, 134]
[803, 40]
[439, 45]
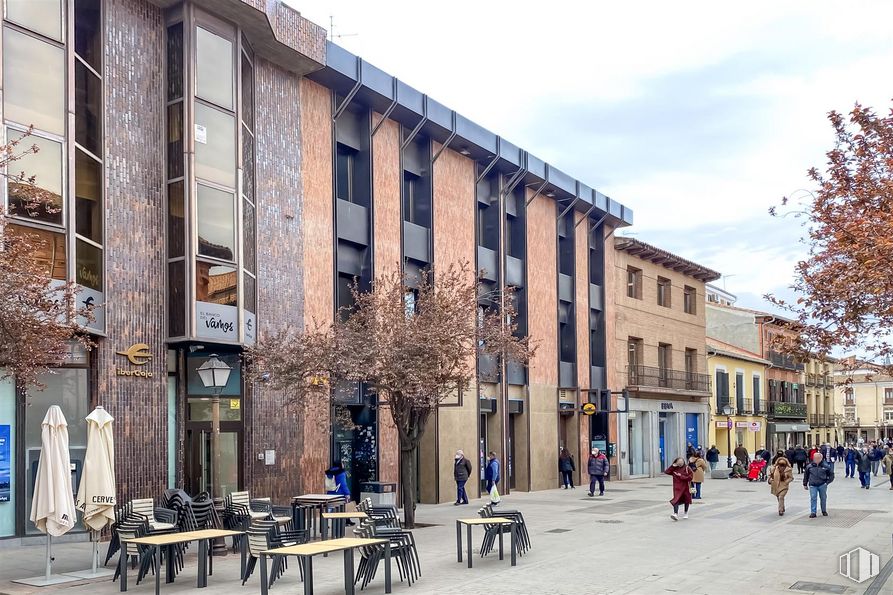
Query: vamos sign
[137, 354]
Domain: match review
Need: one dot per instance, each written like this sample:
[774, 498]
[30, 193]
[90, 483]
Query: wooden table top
[345, 515]
[319, 497]
[324, 547]
[494, 520]
[182, 537]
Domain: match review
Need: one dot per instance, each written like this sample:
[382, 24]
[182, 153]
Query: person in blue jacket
[491, 474]
[336, 482]
[850, 460]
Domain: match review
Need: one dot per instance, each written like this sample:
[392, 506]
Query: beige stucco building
[864, 398]
[659, 336]
[817, 379]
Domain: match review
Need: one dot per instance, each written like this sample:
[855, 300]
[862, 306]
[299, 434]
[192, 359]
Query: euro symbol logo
[138, 354]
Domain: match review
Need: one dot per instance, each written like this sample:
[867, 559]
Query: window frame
[690, 299]
[633, 282]
[664, 292]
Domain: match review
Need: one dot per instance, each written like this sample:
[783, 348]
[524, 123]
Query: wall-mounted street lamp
[214, 374]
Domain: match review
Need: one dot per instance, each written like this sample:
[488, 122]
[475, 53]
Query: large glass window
[34, 82]
[214, 68]
[41, 16]
[215, 284]
[176, 296]
[88, 193]
[88, 32]
[45, 166]
[216, 223]
[88, 271]
[175, 61]
[215, 145]
[176, 220]
[49, 250]
[175, 140]
[88, 107]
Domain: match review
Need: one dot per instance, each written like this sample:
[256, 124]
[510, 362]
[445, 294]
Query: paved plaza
[624, 542]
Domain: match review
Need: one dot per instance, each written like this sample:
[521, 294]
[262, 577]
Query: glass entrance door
[199, 461]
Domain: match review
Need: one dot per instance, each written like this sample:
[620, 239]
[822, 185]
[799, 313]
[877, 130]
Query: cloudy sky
[697, 115]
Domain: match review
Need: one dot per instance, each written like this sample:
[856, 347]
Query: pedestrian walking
[698, 467]
[781, 477]
[682, 475]
[741, 455]
[863, 466]
[841, 451]
[789, 455]
[713, 457]
[816, 479]
[461, 473]
[598, 468]
[566, 467]
[492, 476]
[849, 459]
[876, 454]
[779, 454]
[800, 458]
[888, 465]
[690, 450]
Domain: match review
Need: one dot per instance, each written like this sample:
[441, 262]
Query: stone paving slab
[733, 543]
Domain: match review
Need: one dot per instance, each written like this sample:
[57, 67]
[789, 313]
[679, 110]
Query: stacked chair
[382, 516]
[266, 534]
[403, 550]
[240, 511]
[491, 532]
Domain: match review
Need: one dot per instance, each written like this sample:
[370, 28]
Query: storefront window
[66, 387]
[638, 432]
[34, 82]
[41, 16]
[7, 456]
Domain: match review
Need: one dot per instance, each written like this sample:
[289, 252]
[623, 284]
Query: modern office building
[224, 172]
[659, 333]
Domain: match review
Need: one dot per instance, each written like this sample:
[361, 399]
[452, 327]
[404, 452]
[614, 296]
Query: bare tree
[37, 315]
[413, 341]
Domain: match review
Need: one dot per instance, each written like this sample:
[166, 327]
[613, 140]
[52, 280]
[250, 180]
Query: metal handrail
[667, 378]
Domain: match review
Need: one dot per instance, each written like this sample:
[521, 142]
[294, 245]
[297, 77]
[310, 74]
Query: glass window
[88, 261]
[247, 164]
[88, 109]
[215, 159]
[176, 220]
[634, 283]
[88, 33]
[88, 195]
[176, 297]
[214, 68]
[215, 284]
[41, 16]
[49, 250]
[45, 166]
[663, 292]
[250, 293]
[216, 223]
[175, 61]
[249, 239]
[8, 406]
[247, 92]
[175, 140]
[33, 82]
[200, 409]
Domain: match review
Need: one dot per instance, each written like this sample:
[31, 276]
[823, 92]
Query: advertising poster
[5, 463]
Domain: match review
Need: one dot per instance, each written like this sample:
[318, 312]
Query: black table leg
[348, 571]
[499, 528]
[514, 530]
[243, 547]
[263, 574]
[169, 565]
[387, 567]
[459, 540]
[157, 570]
[202, 580]
[122, 566]
[468, 545]
[308, 574]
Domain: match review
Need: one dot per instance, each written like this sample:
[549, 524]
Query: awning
[773, 427]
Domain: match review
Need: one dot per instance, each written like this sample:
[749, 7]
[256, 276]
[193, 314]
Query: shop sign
[666, 406]
[742, 424]
[250, 328]
[216, 321]
[755, 426]
[90, 298]
[722, 424]
[589, 408]
[137, 354]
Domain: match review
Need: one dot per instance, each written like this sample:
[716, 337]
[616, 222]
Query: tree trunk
[408, 482]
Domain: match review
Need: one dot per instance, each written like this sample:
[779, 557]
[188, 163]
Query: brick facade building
[224, 170]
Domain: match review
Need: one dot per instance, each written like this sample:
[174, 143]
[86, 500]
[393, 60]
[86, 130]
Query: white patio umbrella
[96, 492]
[52, 507]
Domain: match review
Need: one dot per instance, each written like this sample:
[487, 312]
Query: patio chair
[403, 551]
[383, 516]
[145, 507]
[268, 534]
[137, 555]
[491, 532]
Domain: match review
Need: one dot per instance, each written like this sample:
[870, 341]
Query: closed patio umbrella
[52, 507]
[96, 492]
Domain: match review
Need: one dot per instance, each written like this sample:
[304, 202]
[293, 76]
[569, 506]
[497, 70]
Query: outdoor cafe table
[170, 539]
[321, 502]
[496, 520]
[306, 551]
[338, 517]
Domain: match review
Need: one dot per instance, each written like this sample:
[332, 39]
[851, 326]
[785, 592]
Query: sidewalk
[624, 542]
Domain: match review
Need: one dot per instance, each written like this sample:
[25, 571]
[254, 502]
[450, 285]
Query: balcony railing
[666, 378]
[787, 409]
[780, 360]
[810, 379]
[820, 419]
[851, 421]
[723, 402]
[745, 406]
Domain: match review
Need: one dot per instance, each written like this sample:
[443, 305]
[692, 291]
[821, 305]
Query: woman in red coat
[681, 487]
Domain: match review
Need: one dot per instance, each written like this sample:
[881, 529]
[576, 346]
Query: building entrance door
[482, 451]
[199, 460]
[661, 442]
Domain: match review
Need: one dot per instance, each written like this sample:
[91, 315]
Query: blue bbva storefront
[655, 431]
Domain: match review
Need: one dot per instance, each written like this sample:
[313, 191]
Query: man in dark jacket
[863, 466]
[598, 469]
[875, 454]
[800, 458]
[741, 455]
[849, 457]
[816, 479]
[713, 457]
[461, 473]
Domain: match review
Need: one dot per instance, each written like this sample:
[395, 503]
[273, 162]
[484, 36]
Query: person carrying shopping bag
[491, 474]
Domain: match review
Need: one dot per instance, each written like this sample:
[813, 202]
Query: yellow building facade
[817, 378]
[739, 400]
[865, 399]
